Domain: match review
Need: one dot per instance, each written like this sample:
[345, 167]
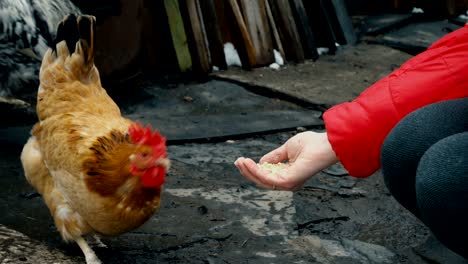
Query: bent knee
[442, 174]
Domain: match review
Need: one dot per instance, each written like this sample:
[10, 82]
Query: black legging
[425, 167]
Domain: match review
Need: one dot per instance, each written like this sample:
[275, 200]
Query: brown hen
[97, 171]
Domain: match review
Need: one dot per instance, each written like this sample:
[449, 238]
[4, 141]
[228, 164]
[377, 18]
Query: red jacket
[356, 130]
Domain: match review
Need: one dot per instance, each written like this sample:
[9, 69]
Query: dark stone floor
[209, 213]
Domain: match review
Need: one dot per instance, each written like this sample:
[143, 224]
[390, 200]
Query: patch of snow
[278, 58]
[322, 50]
[417, 10]
[275, 66]
[231, 55]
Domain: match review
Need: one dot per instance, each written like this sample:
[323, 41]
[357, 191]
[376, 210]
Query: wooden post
[330, 36]
[344, 21]
[179, 38]
[213, 33]
[303, 25]
[158, 46]
[199, 35]
[287, 28]
[257, 24]
[276, 36]
[240, 35]
[320, 24]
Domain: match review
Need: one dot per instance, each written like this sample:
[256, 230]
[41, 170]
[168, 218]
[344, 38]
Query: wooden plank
[199, 35]
[321, 27]
[213, 32]
[304, 29]
[157, 42]
[327, 20]
[456, 7]
[287, 28]
[344, 21]
[240, 35]
[222, 13]
[179, 37]
[255, 17]
[276, 36]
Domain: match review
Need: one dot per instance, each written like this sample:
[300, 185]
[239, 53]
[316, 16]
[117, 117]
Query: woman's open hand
[306, 154]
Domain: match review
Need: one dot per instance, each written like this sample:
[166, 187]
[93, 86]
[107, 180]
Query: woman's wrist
[328, 152]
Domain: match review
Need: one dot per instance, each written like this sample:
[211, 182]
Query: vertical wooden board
[287, 28]
[240, 35]
[451, 7]
[304, 29]
[323, 32]
[224, 16]
[191, 42]
[332, 20]
[120, 42]
[257, 24]
[179, 37]
[158, 50]
[344, 21]
[213, 27]
[456, 7]
[199, 35]
[329, 27]
[274, 29]
[204, 35]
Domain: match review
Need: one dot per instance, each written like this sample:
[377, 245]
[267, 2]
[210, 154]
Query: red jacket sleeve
[356, 130]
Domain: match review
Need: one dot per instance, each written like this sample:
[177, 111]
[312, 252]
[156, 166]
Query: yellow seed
[272, 168]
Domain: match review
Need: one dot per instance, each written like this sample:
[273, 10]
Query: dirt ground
[328, 81]
[209, 212]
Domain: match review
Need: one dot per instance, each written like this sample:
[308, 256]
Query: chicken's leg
[90, 256]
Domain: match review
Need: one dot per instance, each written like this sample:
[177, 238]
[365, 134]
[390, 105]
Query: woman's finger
[287, 179]
[270, 181]
[242, 166]
[275, 156]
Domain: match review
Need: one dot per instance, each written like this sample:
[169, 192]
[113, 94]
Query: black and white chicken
[27, 28]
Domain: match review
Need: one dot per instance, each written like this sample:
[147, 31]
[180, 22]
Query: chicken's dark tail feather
[67, 30]
[78, 29]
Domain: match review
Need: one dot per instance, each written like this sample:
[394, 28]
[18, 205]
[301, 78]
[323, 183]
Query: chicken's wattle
[150, 177]
[154, 177]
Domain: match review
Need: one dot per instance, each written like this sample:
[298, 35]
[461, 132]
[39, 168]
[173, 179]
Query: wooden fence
[190, 35]
[294, 28]
[172, 36]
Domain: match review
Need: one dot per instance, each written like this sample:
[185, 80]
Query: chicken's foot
[90, 256]
[97, 242]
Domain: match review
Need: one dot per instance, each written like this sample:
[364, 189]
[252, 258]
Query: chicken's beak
[137, 162]
[164, 162]
[132, 158]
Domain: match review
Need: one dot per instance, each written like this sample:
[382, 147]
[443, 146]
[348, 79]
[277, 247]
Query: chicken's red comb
[146, 136]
